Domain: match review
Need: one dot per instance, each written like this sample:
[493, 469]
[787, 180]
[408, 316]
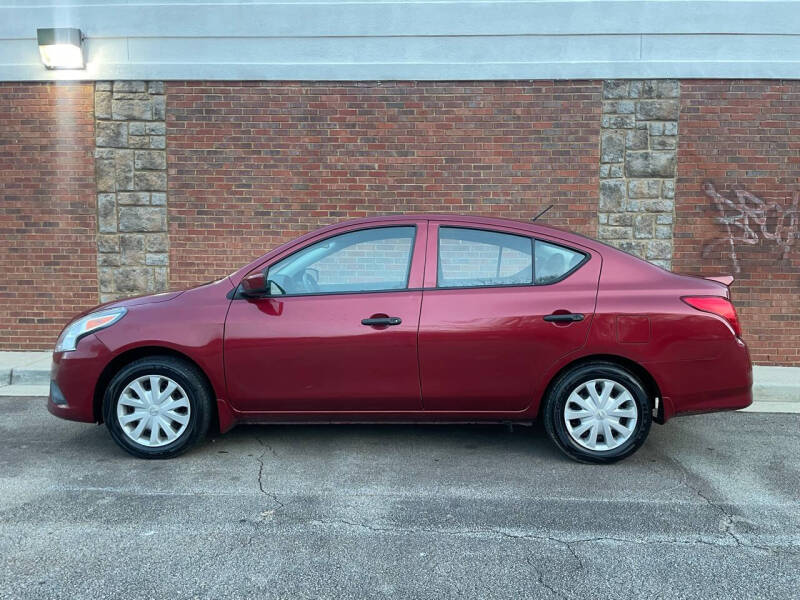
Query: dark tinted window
[553, 262]
[359, 261]
[474, 257]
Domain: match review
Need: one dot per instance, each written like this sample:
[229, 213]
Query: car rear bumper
[73, 377]
[698, 386]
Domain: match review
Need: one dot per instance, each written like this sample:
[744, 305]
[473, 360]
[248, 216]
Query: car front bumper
[73, 378]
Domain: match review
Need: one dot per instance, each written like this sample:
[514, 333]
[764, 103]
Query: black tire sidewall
[182, 373]
[557, 399]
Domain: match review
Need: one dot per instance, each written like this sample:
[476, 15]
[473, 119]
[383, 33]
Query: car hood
[134, 301]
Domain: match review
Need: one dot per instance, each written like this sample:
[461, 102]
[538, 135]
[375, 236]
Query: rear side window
[554, 262]
[473, 258]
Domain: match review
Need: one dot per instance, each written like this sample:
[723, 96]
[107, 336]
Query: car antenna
[542, 212]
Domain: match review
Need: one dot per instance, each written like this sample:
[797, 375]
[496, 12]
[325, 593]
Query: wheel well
[650, 385]
[128, 357]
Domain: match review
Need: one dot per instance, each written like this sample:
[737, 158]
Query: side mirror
[255, 284]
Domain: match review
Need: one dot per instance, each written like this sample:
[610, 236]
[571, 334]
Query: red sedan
[412, 319]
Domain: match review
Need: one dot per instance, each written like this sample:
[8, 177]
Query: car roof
[476, 220]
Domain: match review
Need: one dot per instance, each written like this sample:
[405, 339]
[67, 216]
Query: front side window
[474, 257]
[359, 261]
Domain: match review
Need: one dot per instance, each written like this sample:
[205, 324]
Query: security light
[61, 48]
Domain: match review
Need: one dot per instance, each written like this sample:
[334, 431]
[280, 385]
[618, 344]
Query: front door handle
[564, 317]
[373, 321]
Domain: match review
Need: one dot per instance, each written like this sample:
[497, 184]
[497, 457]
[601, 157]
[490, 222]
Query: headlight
[68, 339]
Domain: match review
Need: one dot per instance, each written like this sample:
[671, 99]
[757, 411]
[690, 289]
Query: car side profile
[421, 318]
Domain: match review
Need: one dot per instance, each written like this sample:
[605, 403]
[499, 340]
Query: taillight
[718, 306]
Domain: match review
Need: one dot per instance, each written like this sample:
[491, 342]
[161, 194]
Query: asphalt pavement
[708, 508]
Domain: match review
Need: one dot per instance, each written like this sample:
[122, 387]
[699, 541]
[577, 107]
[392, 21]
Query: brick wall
[737, 206]
[251, 165]
[47, 211]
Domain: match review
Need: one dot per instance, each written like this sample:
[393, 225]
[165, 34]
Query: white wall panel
[341, 40]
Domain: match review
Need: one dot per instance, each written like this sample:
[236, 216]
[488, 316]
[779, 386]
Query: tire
[572, 437]
[186, 410]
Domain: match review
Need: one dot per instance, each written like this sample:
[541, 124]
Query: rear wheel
[598, 412]
[157, 407]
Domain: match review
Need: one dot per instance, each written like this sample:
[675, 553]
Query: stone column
[638, 156]
[131, 177]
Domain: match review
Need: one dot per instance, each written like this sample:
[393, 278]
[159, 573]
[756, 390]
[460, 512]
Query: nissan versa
[412, 319]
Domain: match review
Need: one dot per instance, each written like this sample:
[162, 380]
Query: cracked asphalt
[708, 508]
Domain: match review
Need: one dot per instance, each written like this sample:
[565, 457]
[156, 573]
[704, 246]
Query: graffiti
[748, 219]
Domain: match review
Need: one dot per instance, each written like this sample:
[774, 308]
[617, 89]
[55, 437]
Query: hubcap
[153, 410]
[600, 414]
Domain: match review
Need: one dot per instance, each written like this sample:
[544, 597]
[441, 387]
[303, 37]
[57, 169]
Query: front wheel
[597, 412]
[157, 407]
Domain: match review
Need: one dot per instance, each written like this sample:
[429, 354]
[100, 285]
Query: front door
[488, 327]
[339, 331]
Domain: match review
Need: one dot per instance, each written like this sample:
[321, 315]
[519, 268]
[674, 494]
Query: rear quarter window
[553, 262]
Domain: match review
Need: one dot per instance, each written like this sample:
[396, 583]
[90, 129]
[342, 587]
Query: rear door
[499, 307]
[340, 332]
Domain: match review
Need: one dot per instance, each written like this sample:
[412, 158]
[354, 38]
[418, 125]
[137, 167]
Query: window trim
[405, 288]
[533, 238]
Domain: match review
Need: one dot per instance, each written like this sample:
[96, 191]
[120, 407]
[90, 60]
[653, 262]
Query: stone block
[158, 141]
[663, 232]
[612, 147]
[104, 153]
[157, 242]
[123, 169]
[659, 249]
[608, 232]
[102, 105]
[158, 199]
[643, 226]
[137, 198]
[658, 110]
[157, 259]
[102, 86]
[636, 139]
[130, 86]
[644, 188]
[137, 128]
[664, 219]
[643, 89]
[604, 171]
[671, 128]
[612, 195]
[620, 219]
[615, 171]
[652, 164]
[668, 88]
[615, 88]
[150, 159]
[107, 213]
[631, 247]
[105, 277]
[157, 128]
[131, 110]
[132, 279]
[142, 219]
[108, 260]
[160, 279]
[658, 205]
[159, 107]
[618, 121]
[105, 178]
[668, 190]
[664, 142]
[620, 107]
[107, 243]
[138, 141]
[151, 180]
[111, 134]
[155, 87]
[132, 242]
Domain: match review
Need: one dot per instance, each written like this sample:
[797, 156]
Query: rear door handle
[561, 318]
[381, 321]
